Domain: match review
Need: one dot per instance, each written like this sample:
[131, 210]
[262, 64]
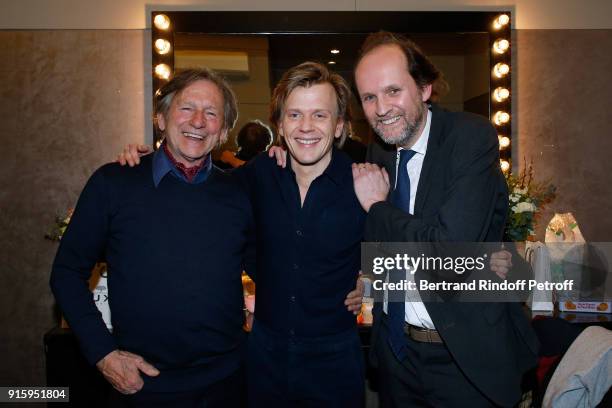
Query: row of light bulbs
[504, 142]
[162, 46]
[500, 93]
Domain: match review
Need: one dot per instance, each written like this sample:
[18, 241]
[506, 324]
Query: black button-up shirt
[308, 258]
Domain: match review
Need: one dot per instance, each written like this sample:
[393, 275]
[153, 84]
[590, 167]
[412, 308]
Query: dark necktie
[400, 198]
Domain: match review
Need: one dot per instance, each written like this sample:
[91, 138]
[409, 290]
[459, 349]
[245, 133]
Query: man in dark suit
[446, 185]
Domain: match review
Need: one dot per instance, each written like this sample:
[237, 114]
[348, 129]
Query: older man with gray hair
[174, 280]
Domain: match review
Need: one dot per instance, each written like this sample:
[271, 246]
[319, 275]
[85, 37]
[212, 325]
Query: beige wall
[70, 99]
[133, 14]
[563, 121]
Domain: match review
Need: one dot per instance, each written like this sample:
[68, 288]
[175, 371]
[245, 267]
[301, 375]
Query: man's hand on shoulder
[122, 369]
[131, 154]
[279, 154]
[371, 184]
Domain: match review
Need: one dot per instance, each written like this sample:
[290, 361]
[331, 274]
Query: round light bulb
[504, 141]
[501, 21]
[163, 71]
[161, 21]
[501, 118]
[500, 46]
[500, 94]
[162, 46]
[505, 166]
[335, 51]
[501, 69]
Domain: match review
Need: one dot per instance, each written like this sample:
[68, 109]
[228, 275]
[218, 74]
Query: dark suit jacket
[462, 197]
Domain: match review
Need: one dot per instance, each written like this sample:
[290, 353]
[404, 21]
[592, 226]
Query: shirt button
[292, 298]
[296, 266]
[292, 332]
[299, 233]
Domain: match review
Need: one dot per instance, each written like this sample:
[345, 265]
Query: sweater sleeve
[81, 247]
[247, 178]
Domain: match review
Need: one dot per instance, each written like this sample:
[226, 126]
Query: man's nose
[306, 124]
[382, 107]
[198, 119]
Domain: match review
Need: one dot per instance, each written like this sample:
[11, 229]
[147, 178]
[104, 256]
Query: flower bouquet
[527, 199]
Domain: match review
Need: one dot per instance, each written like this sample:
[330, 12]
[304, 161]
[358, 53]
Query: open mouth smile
[307, 141]
[389, 121]
[193, 136]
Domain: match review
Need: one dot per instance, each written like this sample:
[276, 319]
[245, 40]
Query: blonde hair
[305, 75]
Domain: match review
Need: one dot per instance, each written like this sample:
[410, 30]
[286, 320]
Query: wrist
[370, 203]
[102, 362]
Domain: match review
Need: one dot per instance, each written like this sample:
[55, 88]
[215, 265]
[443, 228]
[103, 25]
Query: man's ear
[161, 121]
[339, 128]
[426, 92]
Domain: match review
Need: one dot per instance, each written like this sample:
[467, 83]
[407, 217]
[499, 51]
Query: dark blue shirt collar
[162, 166]
[336, 170]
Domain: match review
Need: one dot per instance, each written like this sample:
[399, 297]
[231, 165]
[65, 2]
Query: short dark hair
[420, 67]
[253, 138]
[305, 75]
[180, 81]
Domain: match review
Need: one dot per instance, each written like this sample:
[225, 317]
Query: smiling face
[392, 102]
[309, 124]
[193, 125]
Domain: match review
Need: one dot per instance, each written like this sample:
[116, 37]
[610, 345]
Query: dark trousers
[428, 377]
[229, 392]
[298, 372]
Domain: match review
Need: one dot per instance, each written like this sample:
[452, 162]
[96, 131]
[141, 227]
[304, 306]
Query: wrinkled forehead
[200, 90]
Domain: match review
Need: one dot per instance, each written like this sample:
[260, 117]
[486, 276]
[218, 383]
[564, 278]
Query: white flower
[524, 207]
[520, 191]
[514, 198]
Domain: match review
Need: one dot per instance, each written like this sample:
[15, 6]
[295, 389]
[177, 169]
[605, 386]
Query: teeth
[390, 121]
[193, 136]
[307, 141]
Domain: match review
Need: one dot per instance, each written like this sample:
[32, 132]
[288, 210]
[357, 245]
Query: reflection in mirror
[253, 64]
[252, 49]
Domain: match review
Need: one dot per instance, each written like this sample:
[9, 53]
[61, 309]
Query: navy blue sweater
[175, 254]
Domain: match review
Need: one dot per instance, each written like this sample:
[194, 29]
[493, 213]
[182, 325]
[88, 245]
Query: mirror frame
[346, 22]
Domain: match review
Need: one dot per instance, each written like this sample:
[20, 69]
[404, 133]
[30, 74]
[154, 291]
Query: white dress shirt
[416, 314]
